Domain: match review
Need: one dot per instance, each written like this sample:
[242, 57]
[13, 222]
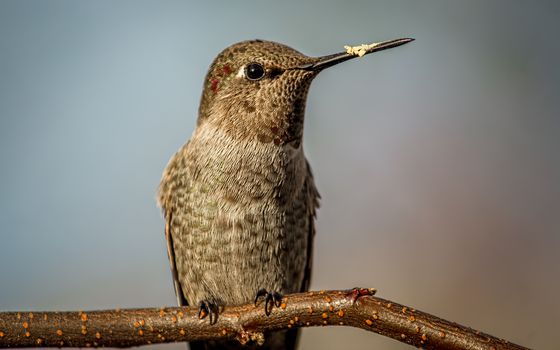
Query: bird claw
[271, 299]
[207, 308]
[356, 292]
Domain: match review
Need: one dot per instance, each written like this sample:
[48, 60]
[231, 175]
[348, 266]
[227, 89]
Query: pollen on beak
[352, 52]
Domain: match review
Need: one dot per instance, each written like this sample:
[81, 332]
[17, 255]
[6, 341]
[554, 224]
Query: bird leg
[210, 309]
[271, 299]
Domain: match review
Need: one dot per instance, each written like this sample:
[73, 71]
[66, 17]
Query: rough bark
[134, 327]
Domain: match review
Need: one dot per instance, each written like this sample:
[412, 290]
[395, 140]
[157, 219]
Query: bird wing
[312, 206]
[171, 255]
[167, 201]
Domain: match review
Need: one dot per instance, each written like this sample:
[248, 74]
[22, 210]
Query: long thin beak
[352, 52]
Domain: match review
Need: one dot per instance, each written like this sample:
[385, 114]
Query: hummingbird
[239, 199]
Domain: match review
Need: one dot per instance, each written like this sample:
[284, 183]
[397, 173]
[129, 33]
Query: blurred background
[438, 162]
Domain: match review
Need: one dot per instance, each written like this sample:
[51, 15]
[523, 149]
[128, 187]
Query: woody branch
[134, 327]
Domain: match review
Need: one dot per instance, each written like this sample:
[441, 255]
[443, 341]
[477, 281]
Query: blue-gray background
[438, 162]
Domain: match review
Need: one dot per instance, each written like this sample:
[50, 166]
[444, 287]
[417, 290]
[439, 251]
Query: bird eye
[254, 71]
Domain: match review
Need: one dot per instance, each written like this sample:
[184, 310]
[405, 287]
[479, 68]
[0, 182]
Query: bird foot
[210, 309]
[271, 299]
[356, 292]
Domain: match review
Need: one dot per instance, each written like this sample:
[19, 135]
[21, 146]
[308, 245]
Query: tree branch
[134, 327]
